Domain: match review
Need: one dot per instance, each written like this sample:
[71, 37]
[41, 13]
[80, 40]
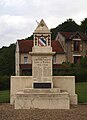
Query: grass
[81, 90]
[4, 96]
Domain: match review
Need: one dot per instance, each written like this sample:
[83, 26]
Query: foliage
[29, 38]
[4, 82]
[79, 71]
[83, 62]
[67, 26]
[84, 26]
[7, 60]
[81, 75]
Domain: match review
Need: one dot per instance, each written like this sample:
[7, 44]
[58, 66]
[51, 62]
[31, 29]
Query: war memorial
[42, 90]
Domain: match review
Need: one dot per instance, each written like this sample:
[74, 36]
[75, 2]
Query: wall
[65, 83]
[84, 47]
[69, 51]
[22, 58]
[61, 40]
[18, 83]
[60, 58]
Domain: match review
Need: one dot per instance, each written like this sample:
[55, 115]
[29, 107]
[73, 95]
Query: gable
[42, 28]
[72, 35]
[78, 35]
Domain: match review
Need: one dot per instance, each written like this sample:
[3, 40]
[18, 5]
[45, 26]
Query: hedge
[4, 82]
[79, 73]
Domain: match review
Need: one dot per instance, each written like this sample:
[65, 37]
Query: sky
[18, 17]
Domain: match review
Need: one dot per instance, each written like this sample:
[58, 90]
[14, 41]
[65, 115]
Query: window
[25, 60]
[76, 45]
[77, 59]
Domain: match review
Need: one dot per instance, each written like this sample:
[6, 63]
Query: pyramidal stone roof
[42, 28]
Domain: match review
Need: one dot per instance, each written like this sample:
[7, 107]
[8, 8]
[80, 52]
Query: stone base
[74, 99]
[65, 83]
[27, 100]
[51, 90]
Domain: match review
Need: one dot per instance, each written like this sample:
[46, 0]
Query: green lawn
[81, 90]
[4, 96]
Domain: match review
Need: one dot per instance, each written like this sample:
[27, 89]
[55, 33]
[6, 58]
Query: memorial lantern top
[42, 35]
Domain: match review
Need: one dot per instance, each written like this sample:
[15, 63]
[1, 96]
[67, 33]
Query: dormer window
[76, 45]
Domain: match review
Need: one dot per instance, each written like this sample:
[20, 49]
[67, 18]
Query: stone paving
[77, 112]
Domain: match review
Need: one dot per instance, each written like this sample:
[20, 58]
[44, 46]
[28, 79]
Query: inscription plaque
[42, 68]
[42, 85]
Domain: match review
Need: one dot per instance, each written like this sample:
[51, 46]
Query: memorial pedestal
[42, 99]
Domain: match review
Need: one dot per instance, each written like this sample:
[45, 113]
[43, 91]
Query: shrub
[4, 82]
[79, 73]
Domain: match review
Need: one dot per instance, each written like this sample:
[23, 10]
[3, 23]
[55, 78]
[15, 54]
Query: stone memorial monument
[42, 57]
[42, 90]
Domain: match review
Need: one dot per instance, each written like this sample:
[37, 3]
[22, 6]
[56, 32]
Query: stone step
[51, 90]
[42, 100]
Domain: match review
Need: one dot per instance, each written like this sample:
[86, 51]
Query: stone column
[42, 67]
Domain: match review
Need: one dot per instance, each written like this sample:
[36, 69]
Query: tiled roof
[69, 35]
[57, 47]
[25, 46]
[84, 36]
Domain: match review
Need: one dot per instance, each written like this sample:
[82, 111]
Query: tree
[68, 26]
[83, 62]
[29, 38]
[84, 25]
[7, 60]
